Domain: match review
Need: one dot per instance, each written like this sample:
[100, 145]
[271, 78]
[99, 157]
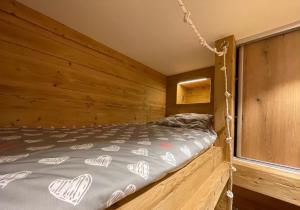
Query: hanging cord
[228, 118]
[187, 19]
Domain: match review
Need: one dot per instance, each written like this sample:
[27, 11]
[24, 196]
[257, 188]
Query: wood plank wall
[53, 75]
[271, 100]
[173, 108]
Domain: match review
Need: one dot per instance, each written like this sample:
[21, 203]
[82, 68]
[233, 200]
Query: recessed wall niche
[194, 91]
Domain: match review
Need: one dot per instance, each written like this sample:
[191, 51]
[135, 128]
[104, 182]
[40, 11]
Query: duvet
[90, 168]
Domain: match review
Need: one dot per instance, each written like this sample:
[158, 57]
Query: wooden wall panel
[271, 100]
[173, 108]
[53, 75]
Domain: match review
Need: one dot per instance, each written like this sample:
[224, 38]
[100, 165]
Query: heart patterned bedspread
[89, 168]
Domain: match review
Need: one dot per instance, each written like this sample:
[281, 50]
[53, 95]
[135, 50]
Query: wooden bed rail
[208, 194]
[196, 186]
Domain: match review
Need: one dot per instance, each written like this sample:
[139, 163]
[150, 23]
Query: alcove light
[194, 91]
[192, 81]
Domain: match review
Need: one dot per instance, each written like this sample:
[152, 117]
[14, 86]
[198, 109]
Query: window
[194, 91]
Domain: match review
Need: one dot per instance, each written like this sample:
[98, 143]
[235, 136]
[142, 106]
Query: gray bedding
[90, 168]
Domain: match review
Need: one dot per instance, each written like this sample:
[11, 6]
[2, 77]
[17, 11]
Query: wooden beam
[219, 80]
[219, 98]
[280, 184]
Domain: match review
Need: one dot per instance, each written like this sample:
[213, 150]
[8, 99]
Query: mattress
[90, 168]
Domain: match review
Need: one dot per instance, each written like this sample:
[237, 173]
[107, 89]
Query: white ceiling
[153, 33]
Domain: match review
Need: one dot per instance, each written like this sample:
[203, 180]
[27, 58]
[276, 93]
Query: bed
[99, 167]
[62, 94]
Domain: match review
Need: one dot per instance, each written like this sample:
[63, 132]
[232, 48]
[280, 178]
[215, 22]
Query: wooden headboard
[52, 75]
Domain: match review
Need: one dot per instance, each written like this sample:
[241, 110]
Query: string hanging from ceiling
[228, 117]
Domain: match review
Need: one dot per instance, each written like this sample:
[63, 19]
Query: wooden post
[219, 102]
[219, 97]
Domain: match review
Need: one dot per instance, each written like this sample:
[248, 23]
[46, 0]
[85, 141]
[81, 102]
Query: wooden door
[270, 127]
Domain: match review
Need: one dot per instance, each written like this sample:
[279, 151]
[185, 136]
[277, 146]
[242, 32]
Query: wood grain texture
[271, 100]
[52, 75]
[276, 183]
[223, 200]
[219, 105]
[248, 200]
[193, 93]
[173, 108]
[207, 196]
[178, 189]
[219, 95]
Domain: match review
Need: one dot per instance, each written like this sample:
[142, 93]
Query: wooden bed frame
[200, 184]
[196, 186]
